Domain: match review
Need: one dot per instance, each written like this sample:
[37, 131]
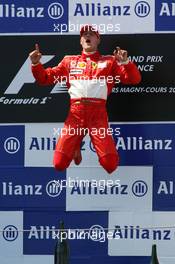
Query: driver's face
[89, 41]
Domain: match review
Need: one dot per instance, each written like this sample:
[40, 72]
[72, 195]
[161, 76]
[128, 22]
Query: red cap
[89, 28]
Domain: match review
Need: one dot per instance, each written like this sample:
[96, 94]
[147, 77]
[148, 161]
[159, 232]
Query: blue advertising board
[164, 15]
[39, 240]
[163, 188]
[31, 187]
[33, 16]
[145, 144]
[12, 145]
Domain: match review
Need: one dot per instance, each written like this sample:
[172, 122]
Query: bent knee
[61, 161]
[109, 162]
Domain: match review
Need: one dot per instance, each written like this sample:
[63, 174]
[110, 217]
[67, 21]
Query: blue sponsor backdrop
[37, 190]
[12, 145]
[164, 188]
[82, 250]
[37, 243]
[164, 15]
[31, 187]
[33, 16]
[146, 144]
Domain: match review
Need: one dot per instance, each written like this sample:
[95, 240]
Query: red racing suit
[90, 79]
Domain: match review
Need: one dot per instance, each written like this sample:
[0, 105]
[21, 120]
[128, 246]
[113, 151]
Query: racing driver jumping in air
[83, 74]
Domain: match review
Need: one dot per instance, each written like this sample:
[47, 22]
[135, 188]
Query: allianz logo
[141, 9]
[43, 143]
[122, 143]
[45, 232]
[167, 9]
[52, 189]
[42, 232]
[140, 143]
[98, 9]
[89, 189]
[122, 232]
[166, 187]
[11, 145]
[54, 11]
[138, 188]
[137, 232]
[10, 233]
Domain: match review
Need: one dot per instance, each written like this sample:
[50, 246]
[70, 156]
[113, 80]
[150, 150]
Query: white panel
[134, 192]
[27, 259]
[11, 240]
[39, 143]
[101, 14]
[138, 231]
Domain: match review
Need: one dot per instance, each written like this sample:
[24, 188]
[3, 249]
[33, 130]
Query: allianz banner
[31, 16]
[22, 100]
[138, 144]
[32, 187]
[67, 16]
[137, 232]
